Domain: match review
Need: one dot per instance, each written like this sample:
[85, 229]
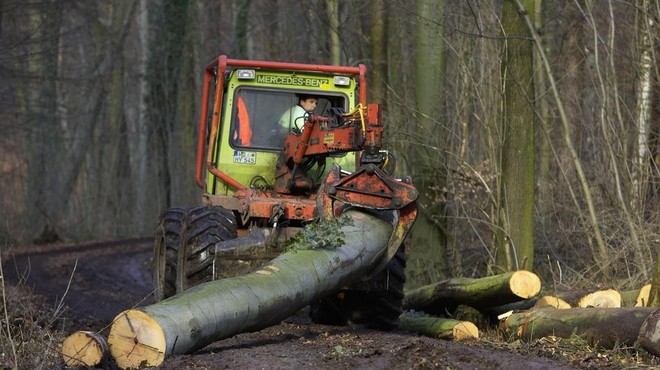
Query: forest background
[531, 128]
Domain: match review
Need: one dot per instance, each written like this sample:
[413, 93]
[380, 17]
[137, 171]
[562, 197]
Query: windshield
[261, 119]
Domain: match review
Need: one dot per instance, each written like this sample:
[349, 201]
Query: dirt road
[96, 281]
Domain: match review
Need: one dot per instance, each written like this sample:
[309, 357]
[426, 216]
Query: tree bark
[649, 334]
[84, 348]
[605, 327]
[219, 309]
[437, 327]
[445, 296]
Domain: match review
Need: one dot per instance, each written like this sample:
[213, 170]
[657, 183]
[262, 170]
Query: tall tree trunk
[240, 47]
[136, 119]
[378, 51]
[335, 46]
[643, 108]
[515, 234]
[45, 136]
[428, 153]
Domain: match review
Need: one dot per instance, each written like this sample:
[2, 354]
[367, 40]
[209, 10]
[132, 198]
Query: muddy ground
[96, 281]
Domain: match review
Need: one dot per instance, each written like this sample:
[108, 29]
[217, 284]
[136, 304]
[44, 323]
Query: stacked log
[600, 326]
[84, 348]
[549, 301]
[480, 293]
[438, 327]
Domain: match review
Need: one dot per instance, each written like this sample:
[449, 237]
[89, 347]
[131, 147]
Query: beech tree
[515, 214]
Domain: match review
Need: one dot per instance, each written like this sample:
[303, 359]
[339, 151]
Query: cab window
[261, 119]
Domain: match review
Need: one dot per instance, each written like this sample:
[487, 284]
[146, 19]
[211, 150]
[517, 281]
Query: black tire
[204, 227]
[377, 308]
[166, 251]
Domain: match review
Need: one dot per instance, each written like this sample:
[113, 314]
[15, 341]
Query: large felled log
[437, 327]
[591, 298]
[84, 348]
[220, 309]
[602, 326]
[496, 290]
[649, 334]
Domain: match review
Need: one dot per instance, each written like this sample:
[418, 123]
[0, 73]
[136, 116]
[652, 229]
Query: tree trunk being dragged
[602, 326]
[220, 309]
[445, 296]
[84, 348]
[438, 327]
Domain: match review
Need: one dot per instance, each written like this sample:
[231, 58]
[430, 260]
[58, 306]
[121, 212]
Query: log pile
[603, 317]
[146, 336]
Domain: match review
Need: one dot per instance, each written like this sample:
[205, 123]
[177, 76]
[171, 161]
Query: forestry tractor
[266, 174]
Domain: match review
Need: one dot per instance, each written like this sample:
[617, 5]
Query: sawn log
[445, 296]
[220, 309]
[591, 298]
[438, 327]
[84, 348]
[602, 326]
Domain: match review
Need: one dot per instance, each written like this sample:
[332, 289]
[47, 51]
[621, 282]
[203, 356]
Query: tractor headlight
[342, 81]
[245, 74]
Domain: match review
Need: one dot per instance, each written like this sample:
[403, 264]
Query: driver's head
[308, 102]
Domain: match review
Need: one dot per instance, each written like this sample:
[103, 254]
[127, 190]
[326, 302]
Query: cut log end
[465, 330]
[642, 299]
[549, 301]
[525, 284]
[84, 348]
[608, 298]
[136, 340]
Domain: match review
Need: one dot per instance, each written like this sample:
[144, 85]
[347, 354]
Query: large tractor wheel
[204, 227]
[377, 308]
[166, 251]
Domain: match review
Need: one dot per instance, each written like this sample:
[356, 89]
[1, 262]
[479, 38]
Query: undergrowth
[574, 351]
[29, 338]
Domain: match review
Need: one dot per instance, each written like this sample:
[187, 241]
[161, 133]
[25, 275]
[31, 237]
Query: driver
[294, 118]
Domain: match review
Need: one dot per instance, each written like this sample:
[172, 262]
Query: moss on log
[600, 326]
[437, 327]
[445, 296]
[220, 309]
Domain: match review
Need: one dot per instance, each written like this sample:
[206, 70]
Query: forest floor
[91, 283]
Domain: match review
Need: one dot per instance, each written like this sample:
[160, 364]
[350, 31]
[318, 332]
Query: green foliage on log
[326, 234]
